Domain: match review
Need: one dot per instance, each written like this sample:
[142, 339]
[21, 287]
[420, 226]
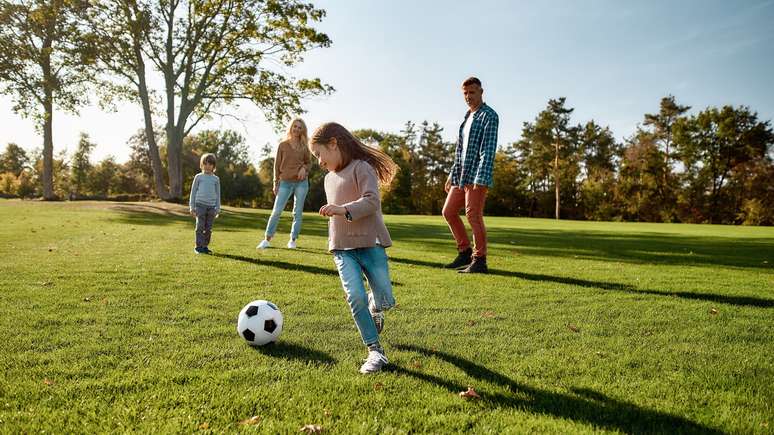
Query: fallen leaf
[573, 328]
[48, 381]
[204, 426]
[251, 421]
[488, 314]
[471, 323]
[311, 428]
[713, 311]
[416, 365]
[469, 394]
[378, 386]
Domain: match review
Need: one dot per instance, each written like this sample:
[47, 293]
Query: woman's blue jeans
[298, 189]
[352, 265]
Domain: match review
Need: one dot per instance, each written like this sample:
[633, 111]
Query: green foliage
[14, 159]
[44, 62]
[81, 167]
[239, 180]
[208, 55]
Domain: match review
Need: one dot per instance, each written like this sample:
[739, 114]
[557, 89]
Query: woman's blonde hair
[304, 133]
[353, 149]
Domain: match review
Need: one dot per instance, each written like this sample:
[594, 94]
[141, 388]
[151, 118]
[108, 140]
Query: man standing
[470, 178]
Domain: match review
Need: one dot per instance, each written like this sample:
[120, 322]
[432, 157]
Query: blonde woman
[291, 167]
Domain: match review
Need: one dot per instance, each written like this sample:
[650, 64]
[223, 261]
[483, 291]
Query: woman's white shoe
[263, 245]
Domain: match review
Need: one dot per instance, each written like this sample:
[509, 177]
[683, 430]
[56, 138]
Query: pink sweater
[356, 187]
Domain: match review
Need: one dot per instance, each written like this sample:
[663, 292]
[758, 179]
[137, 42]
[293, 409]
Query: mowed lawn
[110, 323]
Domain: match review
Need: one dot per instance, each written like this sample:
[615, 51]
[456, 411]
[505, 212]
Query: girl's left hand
[332, 210]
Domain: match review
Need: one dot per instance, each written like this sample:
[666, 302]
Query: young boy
[204, 203]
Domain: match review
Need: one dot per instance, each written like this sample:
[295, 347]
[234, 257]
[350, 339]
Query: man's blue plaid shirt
[482, 146]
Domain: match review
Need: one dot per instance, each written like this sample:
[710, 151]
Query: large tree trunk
[48, 134]
[174, 163]
[153, 149]
[150, 134]
[48, 149]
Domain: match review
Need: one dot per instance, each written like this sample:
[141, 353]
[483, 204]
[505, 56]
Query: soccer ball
[259, 323]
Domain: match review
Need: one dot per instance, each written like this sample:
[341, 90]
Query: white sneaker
[374, 363]
[378, 316]
[263, 245]
[292, 244]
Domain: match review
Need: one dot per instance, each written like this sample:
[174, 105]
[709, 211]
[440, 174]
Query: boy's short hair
[471, 81]
[207, 158]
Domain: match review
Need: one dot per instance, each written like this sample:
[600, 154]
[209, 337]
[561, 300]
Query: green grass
[110, 323]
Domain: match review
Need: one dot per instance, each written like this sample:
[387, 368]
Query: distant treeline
[711, 167]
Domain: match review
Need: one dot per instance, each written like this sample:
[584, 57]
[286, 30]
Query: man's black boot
[477, 266]
[463, 259]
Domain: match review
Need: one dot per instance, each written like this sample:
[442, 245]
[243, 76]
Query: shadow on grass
[231, 219]
[635, 246]
[288, 266]
[280, 264]
[585, 406]
[292, 351]
[615, 245]
[745, 301]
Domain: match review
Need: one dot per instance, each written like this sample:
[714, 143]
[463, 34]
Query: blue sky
[396, 61]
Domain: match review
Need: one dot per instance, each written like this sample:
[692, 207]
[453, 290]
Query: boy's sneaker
[199, 250]
[292, 244]
[375, 362]
[263, 245]
[378, 316]
[207, 251]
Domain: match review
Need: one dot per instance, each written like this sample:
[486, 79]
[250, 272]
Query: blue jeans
[372, 262]
[298, 189]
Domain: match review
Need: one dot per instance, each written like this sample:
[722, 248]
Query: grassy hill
[111, 323]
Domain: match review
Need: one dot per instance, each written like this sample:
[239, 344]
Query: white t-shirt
[466, 134]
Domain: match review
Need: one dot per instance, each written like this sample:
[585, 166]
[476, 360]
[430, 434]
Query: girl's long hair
[304, 137]
[353, 149]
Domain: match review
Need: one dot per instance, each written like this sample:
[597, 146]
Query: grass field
[110, 323]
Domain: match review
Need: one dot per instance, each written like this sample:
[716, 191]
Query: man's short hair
[471, 81]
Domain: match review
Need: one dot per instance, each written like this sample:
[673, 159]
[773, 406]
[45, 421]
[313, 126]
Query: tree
[549, 148]
[600, 151]
[44, 61]
[239, 180]
[80, 166]
[105, 177]
[713, 146]
[14, 159]
[662, 124]
[208, 54]
[638, 190]
[433, 160]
